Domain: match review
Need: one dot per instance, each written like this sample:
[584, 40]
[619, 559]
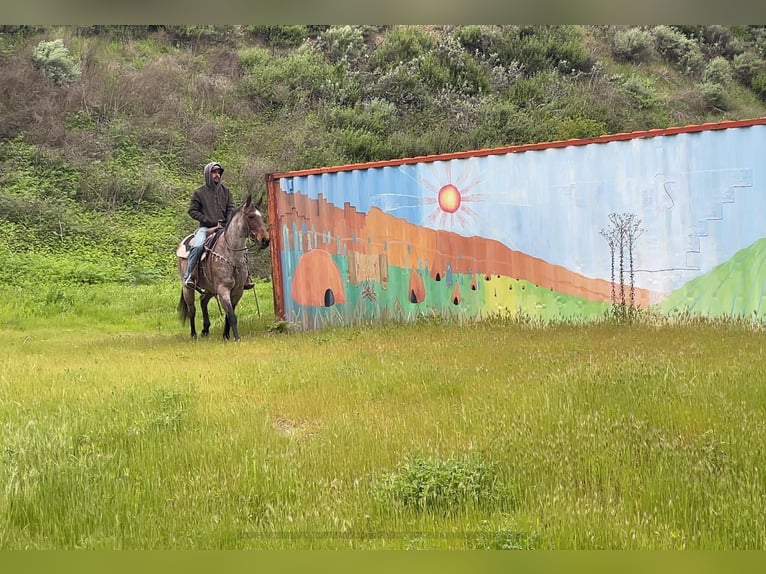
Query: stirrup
[248, 285]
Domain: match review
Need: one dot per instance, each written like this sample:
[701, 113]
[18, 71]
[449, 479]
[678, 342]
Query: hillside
[727, 290]
[104, 130]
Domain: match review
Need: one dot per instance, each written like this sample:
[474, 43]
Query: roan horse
[222, 270]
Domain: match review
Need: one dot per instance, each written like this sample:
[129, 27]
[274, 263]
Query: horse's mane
[233, 215]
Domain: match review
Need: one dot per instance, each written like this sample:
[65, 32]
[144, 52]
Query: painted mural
[666, 219]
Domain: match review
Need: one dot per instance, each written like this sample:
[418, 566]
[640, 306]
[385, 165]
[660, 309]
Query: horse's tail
[183, 310]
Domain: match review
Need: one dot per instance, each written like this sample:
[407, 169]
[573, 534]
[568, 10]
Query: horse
[222, 270]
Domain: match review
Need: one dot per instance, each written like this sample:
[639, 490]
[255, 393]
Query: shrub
[375, 116]
[677, 49]
[718, 71]
[253, 56]
[358, 145]
[632, 45]
[302, 75]
[55, 62]
[402, 87]
[401, 45]
[640, 90]
[289, 36]
[746, 66]
[576, 128]
[342, 43]
[716, 95]
[759, 85]
[465, 74]
[429, 485]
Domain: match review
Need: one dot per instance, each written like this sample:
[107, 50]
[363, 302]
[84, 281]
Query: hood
[208, 175]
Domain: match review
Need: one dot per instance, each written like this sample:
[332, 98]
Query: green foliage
[157, 102]
[52, 57]
[573, 128]
[284, 36]
[401, 45]
[641, 91]
[464, 74]
[343, 43]
[539, 48]
[678, 49]
[301, 77]
[111, 416]
[197, 32]
[759, 85]
[718, 70]
[376, 116]
[359, 145]
[501, 537]
[746, 66]
[402, 87]
[715, 94]
[633, 45]
[444, 486]
[251, 57]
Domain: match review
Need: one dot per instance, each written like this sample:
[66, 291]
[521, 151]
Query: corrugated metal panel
[525, 228]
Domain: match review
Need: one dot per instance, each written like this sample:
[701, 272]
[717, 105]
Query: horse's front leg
[204, 300]
[191, 309]
[224, 297]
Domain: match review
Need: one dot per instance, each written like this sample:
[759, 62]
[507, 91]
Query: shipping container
[667, 220]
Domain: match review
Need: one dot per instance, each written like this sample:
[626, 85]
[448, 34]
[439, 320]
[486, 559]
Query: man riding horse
[211, 205]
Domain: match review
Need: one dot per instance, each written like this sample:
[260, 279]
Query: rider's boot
[194, 256]
[248, 284]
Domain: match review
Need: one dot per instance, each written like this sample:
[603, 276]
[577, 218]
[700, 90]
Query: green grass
[118, 431]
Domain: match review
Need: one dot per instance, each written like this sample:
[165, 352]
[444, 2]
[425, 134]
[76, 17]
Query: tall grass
[118, 431]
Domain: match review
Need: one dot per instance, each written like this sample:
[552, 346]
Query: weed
[444, 486]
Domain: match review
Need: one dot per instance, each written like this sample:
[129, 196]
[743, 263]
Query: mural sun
[450, 200]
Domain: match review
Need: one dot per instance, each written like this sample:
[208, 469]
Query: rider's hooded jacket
[211, 203]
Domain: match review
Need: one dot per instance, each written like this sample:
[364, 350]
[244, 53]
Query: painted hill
[733, 288]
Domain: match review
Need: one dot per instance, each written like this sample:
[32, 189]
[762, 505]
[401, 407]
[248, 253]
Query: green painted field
[118, 431]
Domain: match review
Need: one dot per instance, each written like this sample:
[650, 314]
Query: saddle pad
[184, 247]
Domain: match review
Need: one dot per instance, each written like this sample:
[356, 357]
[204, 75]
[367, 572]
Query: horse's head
[256, 226]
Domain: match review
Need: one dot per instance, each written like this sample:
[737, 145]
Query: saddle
[183, 249]
[185, 246]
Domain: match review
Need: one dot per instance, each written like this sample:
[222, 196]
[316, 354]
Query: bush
[375, 116]
[718, 71]
[641, 91]
[358, 145]
[715, 95]
[465, 74]
[577, 128]
[429, 485]
[402, 87]
[401, 45]
[289, 36]
[53, 59]
[342, 43]
[759, 85]
[633, 45]
[677, 49]
[746, 66]
[299, 77]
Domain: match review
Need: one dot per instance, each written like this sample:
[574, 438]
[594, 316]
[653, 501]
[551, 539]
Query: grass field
[118, 431]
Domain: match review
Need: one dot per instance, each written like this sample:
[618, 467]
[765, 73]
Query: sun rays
[449, 196]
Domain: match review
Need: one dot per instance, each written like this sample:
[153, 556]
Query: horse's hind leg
[204, 300]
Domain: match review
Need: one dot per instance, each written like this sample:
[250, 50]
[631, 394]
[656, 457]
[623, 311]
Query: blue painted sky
[700, 197]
